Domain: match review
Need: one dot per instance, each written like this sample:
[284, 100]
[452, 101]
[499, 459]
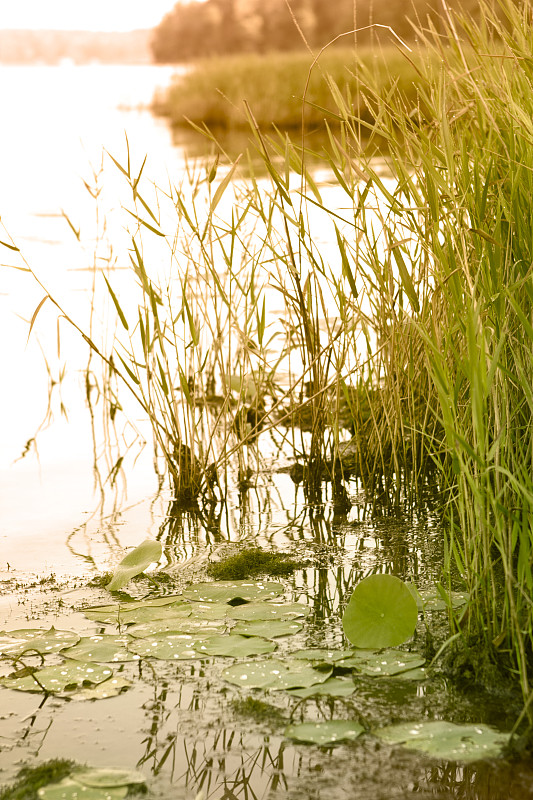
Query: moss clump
[30, 779]
[251, 562]
[258, 710]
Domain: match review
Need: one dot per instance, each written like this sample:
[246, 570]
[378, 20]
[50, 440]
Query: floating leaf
[383, 662]
[67, 676]
[380, 613]
[109, 778]
[226, 591]
[333, 687]
[446, 740]
[102, 647]
[69, 789]
[171, 646]
[236, 646]
[110, 688]
[324, 733]
[14, 643]
[256, 611]
[210, 611]
[323, 656]
[123, 616]
[134, 563]
[275, 674]
[198, 627]
[269, 628]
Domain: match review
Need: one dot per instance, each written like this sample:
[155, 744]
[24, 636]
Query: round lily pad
[446, 740]
[333, 687]
[236, 646]
[14, 643]
[226, 591]
[109, 778]
[380, 613]
[102, 647]
[170, 646]
[198, 627]
[383, 662]
[69, 789]
[269, 628]
[265, 610]
[275, 674]
[124, 616]
[60, 678]
[324, 733]
[322, 655]
[112, 687]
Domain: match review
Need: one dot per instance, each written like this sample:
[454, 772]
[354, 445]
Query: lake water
[180, 723]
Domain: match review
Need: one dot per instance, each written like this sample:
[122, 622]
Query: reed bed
[401, 308]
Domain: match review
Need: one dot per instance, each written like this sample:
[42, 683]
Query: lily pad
[380, 613]
[14, 643]
[171, 646]
[124, 616]
[383, 662]
[102, 647]
[199, 627]
[264, 611]
[269, 628]
[134, 563]
[60, 678]
[446, 740]
[109, 778]
[236, 646]
[102, 691]
[275, 674]
[333, 687]
[322, 655]
[226, 591]
[69, 789]
[324, 733]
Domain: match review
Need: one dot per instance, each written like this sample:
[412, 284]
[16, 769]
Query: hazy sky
[111, 15]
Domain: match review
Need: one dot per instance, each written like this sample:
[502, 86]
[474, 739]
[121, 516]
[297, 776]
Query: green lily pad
[446, 740]
[60, 678]
[333, 687]
[134, 563]
[123, 616]
[417, 674]
[322, 655]
[268, 628]
[109, 778]
[198, 627]
[14, 643]
[275, 674]
[264, 611]
[69, 789]
[170, 646]
[383, 662]
[226, 591]
[209, 611]
[236, 646]
[102, 647]
[380, 613]
[166, 600]
[324, 733]
[112, 687]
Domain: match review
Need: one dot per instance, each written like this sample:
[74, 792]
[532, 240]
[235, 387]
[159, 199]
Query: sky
[99, 15]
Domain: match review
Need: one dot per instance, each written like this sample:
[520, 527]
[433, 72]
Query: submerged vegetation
[398, 319]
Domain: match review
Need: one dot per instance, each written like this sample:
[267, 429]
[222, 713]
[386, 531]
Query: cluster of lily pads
[93, 784]
[243, 620]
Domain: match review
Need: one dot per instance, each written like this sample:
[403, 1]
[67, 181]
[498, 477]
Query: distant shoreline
[78, 47]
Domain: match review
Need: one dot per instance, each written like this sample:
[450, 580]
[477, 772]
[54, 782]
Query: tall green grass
[213, 92]
[404, 303]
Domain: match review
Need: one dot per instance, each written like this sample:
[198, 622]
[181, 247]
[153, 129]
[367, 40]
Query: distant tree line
[220, 27]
